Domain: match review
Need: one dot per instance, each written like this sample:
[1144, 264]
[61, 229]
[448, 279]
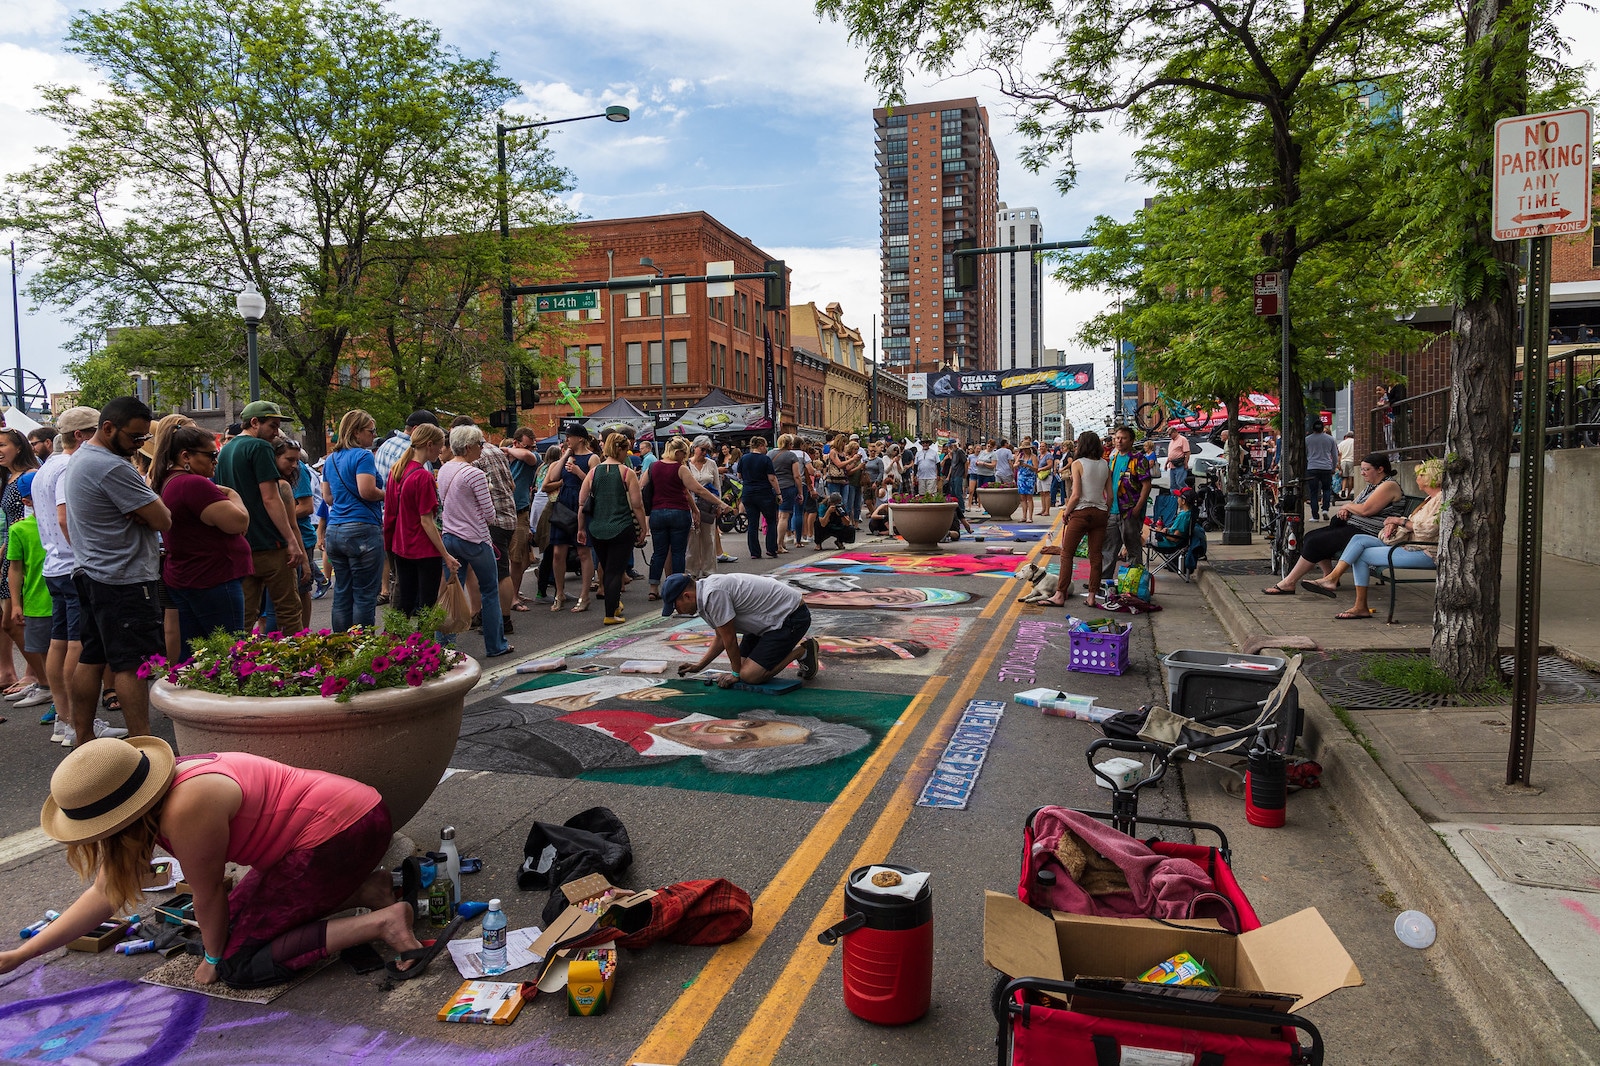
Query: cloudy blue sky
[755, 111]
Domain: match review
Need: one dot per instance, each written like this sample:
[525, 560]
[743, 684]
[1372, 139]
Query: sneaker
[64, 735]
[808, 658]
[48, 716]
[13, 697]
[103, 729]
[726, 558]
[37, 698]
[320, 591]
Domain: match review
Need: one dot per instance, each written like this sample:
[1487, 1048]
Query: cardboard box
[596, 912]
[1282, 966]
[107, 935]
[484, 1003]
[590, 976]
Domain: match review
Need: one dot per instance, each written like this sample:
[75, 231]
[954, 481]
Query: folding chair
[1180, 556]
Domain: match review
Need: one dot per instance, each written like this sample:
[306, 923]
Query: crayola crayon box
[484, 1003]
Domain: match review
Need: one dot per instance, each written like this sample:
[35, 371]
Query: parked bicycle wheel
[1151, 416]
[1197, 417]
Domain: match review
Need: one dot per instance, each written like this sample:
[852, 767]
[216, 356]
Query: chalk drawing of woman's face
[724, 733]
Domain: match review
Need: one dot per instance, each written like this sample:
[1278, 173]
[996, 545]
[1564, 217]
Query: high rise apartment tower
[1018, 313]
[939, 183]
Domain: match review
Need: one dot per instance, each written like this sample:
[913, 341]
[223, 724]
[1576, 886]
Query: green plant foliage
[332, 152]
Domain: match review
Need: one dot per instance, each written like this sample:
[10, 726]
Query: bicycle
[1153, 415]
[1287, 526]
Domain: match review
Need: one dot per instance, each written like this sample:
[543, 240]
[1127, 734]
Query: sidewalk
[1509, 875]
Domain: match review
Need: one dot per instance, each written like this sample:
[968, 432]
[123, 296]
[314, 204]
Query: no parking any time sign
[1542, 179]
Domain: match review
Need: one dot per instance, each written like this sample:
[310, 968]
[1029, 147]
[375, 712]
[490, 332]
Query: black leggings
[416, 583]
[1321, 545]
[614, 555]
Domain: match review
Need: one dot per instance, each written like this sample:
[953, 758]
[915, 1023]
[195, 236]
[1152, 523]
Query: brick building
[846, 385]
[1575, 325]
[615, 350]
[939, 183]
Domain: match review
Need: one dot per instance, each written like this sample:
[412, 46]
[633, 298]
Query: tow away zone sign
[1542, 179]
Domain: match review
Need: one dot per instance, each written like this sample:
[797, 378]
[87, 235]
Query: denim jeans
[1178, 477]
[480, 557]
[669, 531]
[1058, 490]
[755, 509]
[1320, 492]
[356, 549]
[1365, 551]
[203, 611]
[789, 504]
[852, 499]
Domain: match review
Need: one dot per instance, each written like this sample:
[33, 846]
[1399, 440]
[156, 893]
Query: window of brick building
[635, 363]
[1594, 250]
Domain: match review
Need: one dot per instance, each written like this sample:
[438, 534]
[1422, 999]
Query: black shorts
[501, 539]
[121, 624]
[772, 648]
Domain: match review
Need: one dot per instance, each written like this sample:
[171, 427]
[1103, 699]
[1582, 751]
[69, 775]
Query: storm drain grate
[1241, 567]
[1341, 683]
[1536, 861]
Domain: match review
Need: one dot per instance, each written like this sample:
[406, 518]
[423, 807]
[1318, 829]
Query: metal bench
[1390, 574]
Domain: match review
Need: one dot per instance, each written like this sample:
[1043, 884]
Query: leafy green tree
[329, 151]
[1254, 80]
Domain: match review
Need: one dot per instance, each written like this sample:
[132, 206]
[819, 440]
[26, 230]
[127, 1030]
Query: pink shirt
[468, 506]
[285, 808]
[1178, 450]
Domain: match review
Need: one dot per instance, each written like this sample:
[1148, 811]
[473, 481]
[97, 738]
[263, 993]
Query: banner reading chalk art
[738, 418]
[1022, 382]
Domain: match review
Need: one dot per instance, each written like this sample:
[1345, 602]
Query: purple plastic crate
[1099, 653]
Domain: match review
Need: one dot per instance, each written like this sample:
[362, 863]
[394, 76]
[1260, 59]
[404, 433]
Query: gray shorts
[36, 634]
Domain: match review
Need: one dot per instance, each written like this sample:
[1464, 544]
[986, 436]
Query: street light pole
[646, 261]
[508, 331]
[252, 306]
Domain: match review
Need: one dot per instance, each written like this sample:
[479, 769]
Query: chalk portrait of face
[830, 645]
[757, 742]
[576, 695]
[893, 598]
[719, 733]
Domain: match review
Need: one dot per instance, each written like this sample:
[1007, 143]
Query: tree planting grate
[1242, 567]
[1341, 683]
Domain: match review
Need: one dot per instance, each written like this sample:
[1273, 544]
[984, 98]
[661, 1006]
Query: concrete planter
[923, 525]
[398, 740]
[1000, 503]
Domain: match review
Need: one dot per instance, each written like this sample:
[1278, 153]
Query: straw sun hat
[105, 786]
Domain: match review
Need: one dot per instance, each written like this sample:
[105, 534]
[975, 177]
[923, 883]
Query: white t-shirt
[928, 462]
[58, 561]
[754, 604]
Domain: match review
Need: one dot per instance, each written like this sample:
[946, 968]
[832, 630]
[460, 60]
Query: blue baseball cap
[671, 589]
[25, 485]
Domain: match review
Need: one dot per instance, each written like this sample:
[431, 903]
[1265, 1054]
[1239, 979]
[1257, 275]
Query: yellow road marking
[678, 1029]
[763, 1037]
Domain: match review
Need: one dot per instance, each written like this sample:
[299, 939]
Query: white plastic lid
[494, 905]
[1414, 929]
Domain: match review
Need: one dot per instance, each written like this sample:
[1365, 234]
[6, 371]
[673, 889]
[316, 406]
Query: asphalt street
[773, 995]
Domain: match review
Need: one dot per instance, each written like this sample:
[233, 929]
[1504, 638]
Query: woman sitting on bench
[1364, 552]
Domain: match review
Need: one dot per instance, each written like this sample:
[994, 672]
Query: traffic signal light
[529, 396]
[777, 296]
[497, 419]
[966, 265]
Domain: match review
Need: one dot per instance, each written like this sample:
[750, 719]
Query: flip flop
[1354, 616]
[519, 606]
[420, 957]
[1276, 590]
[1320, 590]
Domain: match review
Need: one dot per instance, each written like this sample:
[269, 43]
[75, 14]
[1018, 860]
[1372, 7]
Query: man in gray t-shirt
[760, 622]
[1321, 454]
[113, 519]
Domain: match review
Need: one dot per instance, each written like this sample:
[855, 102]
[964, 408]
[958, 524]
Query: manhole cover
[1242, 567]
[1343, 683]
[1535, 861]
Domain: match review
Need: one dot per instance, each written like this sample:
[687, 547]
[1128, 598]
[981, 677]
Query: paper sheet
[467, 953]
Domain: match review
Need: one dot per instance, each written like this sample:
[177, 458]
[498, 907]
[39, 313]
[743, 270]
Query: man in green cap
[247, 466]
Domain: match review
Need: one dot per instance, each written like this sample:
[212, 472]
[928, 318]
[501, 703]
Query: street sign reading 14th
[1542, 179]
[568, 301]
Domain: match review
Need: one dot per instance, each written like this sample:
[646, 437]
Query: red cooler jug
[888, 951]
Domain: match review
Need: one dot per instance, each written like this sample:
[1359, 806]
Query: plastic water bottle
[447, 848]
[494, 940]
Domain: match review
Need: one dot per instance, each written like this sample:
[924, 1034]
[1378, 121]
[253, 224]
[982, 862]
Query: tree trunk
[1466, 612]
[1234, 453]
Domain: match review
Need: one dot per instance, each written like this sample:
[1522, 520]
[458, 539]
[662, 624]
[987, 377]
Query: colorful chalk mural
[979, 565]
[893, 642]
[1004, 531]
[678, 733]
[892, 599]
[47, 1018]
[953, 778]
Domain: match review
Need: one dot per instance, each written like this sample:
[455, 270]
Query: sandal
[1277, 590]
[583, 605]
[520, 605]
[111, 702]
[420, 957]
[1354, 615]
[1319, 588]
[555, 608]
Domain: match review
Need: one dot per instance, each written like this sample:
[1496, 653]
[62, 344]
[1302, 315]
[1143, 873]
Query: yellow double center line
[678, 1029]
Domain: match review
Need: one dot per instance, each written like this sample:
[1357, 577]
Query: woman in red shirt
[410, 533]
[207, 554]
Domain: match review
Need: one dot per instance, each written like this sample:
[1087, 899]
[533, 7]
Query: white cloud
[31, 18]
[22, 71]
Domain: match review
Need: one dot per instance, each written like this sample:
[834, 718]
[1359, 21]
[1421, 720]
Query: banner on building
[598, 427]
[769, 407]
[738, 418]
[1076, 378]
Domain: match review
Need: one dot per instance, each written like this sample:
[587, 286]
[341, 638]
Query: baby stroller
[1038, 1025]
[733, 521]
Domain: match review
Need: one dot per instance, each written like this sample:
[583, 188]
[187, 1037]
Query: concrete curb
[1521, 1012]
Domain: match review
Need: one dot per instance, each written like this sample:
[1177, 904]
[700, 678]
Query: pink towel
[1158, 886]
